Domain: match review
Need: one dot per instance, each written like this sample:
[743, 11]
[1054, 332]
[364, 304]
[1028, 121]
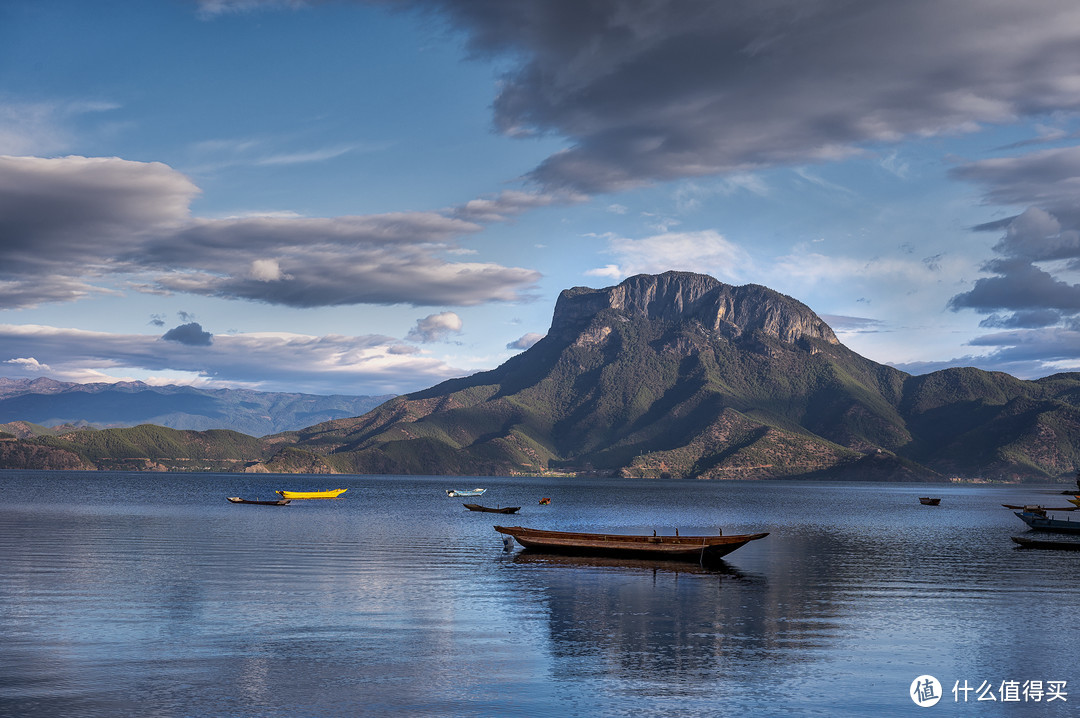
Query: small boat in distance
[1043, 543]
[927, 501]
[330, 494]
[464, 492]
[684, 548]
[238, 500]
[545, 501]
[505, 510]
[1038, 520]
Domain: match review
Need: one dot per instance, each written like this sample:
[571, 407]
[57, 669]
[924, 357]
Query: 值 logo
[925, 691]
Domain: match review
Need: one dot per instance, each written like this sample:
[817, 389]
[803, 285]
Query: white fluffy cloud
[526, 341]
[435, 327]
[706, 251]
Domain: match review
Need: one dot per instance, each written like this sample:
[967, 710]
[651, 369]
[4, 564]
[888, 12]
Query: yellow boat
[1075, 500]
[331, 494]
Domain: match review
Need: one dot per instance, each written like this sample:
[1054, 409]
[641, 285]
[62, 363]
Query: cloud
[212, 8]
[667, 89]
[1028, 291]
[655, 91]
[267, 270]
[41, 127]
[1018, 285]
[1034, 243]
[29, 364]
[76, 225]
[501, 207]
[526, 341]
[435, 327]
[331, 364]
[1048, 180]
[1023, 353]
[704, 251]
[190, 334]
[852, 325]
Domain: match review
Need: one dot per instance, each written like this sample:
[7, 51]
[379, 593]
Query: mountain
[680, 375]
[50, 403]
[674, 375]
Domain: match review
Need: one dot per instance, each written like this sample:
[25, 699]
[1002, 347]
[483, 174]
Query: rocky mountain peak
[685, 296]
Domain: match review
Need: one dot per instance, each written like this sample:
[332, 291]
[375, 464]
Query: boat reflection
[717, 567]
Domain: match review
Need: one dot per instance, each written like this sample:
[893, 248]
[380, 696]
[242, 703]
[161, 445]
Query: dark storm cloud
[1048, 180]
[662, 89]
[1023, 294]
[191, 334]
[1048, 231]
[647, 91]
[1019, 285]
[67, 224]
[1033, 319]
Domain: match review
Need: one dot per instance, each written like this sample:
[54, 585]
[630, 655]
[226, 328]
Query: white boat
[464, 492]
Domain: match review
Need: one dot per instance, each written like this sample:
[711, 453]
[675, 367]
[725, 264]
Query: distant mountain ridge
[670, 375]
[48, 402]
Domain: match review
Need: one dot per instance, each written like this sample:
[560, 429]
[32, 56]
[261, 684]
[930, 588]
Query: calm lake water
[150, 595]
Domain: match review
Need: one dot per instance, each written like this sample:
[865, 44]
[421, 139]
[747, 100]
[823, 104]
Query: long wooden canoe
[1042, 543]
[331, 494]
[1037, 509]
[504, 510]
[1041, 522]
[695, 548]
[238, 500]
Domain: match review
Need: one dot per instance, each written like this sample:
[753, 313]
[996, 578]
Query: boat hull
[452, 493]
[1041, 522]
[331, 494]
[684, 548]
[927, 501]
[238, 500]
[1053, 545]
[488, 509]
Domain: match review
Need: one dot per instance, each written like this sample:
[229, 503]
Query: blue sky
[370, 197]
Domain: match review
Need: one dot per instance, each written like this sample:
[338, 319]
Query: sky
[345, 197]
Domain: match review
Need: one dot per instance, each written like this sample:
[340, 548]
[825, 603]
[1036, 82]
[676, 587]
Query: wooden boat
[1074, 500]
[545, 501]
[1043, 543]
[694, 548]
[464, 492]
[1041, 522]
[1037, 509]
[238, 500]
[504, 510]
[927, 501]
[331, 494]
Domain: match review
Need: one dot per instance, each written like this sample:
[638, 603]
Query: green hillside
[669, 375]
[680, 375]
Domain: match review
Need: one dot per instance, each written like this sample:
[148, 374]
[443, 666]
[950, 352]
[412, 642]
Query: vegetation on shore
[674, 375]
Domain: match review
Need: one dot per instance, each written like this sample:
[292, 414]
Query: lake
[129, 594]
